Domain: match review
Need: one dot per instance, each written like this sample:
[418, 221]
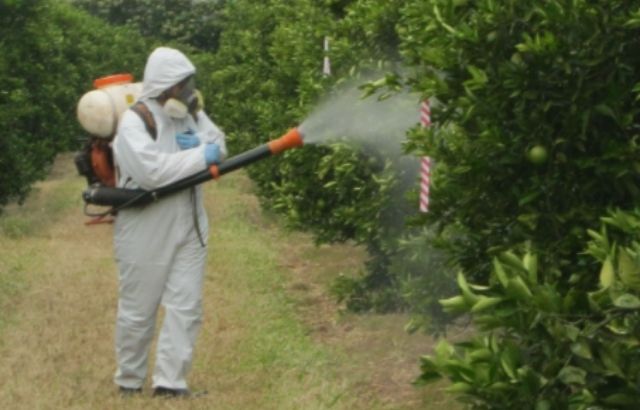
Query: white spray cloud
[346, 116]
[369, 123]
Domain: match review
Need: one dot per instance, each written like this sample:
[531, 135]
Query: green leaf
[518, 289]
[456, 304]
[529, 198]
[485, 302]
[429, 371]
[443, 351]
[428, 363]
[610, 360]
[510, 259]
[627, 301]
[605, 110]
[543, 405]
[459, 369]
[480, 355]
[571, 375]
[619, 327]
[621, 399]
[581, 348]
[548, 299]
[494, 342]
[530, 262]
[607, 275]
[498, 269]
[500, 386]
[596, 236]
[506, 366]
[478, 78]
[628, 269]
[480, 288]
[469, 296]
[636, 90]
[459, 387]
[633, 23]
[572, 332]
[599, 299]
[508, 363]
[436, 12]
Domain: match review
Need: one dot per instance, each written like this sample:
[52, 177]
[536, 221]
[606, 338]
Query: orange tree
[49, 55]
[542, 345]
[536, 112]
[189, 22]
[267, 77]
[558, 77]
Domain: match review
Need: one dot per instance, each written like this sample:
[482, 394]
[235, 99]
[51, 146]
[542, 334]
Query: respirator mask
[179, 105]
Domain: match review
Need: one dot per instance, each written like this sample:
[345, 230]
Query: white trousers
[144, 285]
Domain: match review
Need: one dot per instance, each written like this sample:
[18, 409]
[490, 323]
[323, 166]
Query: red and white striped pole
[425, 162]
[326, 63]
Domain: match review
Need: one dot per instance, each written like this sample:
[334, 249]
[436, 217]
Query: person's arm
[138, 156]
[209, 133]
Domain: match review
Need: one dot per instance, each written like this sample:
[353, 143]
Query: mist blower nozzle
[121, 198]
[292, 139]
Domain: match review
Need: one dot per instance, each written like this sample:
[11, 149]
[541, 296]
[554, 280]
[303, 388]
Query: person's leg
[182, 300]
[141, 287]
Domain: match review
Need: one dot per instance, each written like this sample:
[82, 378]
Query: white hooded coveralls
[160, 258]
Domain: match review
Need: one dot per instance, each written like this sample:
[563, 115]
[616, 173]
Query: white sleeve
[139, 157]
[210, 133]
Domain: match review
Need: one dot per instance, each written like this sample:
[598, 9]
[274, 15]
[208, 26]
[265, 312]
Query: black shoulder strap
[146, 116]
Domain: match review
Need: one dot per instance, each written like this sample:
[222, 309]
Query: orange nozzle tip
[292, 139]
[214, 171]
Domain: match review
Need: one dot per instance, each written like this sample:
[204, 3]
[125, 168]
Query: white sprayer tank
[100, 110]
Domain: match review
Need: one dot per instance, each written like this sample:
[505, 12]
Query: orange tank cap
[114, 79]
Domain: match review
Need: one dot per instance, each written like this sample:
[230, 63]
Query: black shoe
[129, 391]
[167, 392]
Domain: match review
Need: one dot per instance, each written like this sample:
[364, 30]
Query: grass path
[271, 339]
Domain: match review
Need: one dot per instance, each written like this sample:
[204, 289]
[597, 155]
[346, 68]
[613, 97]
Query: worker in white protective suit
[161, 248]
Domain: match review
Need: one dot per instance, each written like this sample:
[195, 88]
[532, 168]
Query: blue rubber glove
[187, 140]
[212, 154]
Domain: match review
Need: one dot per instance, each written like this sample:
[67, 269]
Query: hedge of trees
[535, 108]
[188, 22]
[49, 55]
[555, 297]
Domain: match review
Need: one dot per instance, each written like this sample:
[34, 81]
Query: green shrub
[189, 22]
[49, 55]
[268, 77]
[507, 77]
[543, 346]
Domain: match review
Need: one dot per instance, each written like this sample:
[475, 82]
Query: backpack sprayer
[100, 110]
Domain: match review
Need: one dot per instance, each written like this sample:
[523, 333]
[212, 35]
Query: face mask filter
[175, 108]
[178, 107]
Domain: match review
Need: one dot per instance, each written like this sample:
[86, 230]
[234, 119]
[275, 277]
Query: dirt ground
[273, 337]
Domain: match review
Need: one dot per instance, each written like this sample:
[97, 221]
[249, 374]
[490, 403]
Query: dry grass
[272, 339]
